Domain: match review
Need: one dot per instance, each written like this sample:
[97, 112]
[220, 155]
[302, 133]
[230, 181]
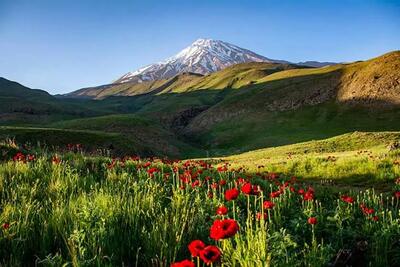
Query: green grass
[59, 138]
[147, 133]
[357, 159]
[123, 122]
[124, 133]
[113, 143]
[268, 129]
[92, 211]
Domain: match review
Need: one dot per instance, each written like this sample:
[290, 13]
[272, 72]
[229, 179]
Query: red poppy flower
[112, 164]
[259, 216]
[273, 175]
[222, 169]
[268, 204]
[147, 164]
[210, 254]
[195, 183]
[222, 210]
[369, 211]
[256, 190]
[222, 182]
[375, 218]
[275, 194]
[366, 210]
[231, 194]
[312, 220]
[195, 247]
[151, 171]
[240, 180]
[308, 196]
[397, 194]
[347, 199]
[250, 189]
[56, 160]
[214, 185]
[6, 226]
[19, 157]
[222, 229]
[184, 263]
[247, 188]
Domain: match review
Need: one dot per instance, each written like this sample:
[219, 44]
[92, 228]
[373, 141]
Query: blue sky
[60, 46]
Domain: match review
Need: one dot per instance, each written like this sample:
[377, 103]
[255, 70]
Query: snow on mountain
[203, 56]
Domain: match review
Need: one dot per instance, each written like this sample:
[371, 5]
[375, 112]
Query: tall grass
[95, 211]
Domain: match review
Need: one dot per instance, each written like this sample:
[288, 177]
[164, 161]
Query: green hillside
[148, 141]
[147, 134]
[238, 109]
[356, 159]
[250, 131]
[299, 105]
[22, 105]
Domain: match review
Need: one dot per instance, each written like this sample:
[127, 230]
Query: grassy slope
[359, 158]
[22, 105]
[257, 130]
[234, 77]
[299, 105]
[118, 144]
[148, 134]
[59, 138]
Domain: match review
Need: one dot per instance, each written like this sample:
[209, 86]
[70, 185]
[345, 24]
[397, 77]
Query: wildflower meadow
[72, 209]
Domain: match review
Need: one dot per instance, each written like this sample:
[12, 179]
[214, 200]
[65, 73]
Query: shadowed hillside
[22, 105]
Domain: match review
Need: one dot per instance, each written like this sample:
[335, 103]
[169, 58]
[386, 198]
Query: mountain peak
[203, 41]
[206, 42]
[203, 56]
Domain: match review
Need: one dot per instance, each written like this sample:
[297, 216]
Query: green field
[69, 208]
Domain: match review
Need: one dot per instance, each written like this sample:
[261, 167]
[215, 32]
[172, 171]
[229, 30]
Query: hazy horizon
[61, 46]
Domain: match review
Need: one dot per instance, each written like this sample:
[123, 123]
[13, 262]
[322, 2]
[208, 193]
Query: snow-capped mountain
[203, 56]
